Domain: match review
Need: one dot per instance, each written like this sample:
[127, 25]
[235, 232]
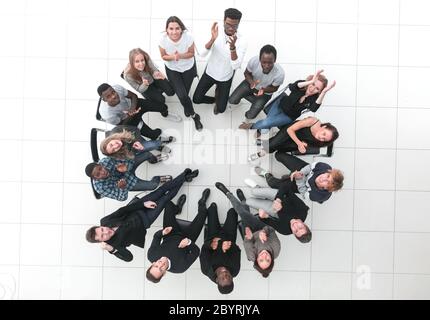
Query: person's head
[174, 28]
[332, 180]
[231, 21]
[113, 145]
[157, 270]
[224, 280]
[138, 61]
[267, 58]
[318, 86]
[96, 171]
[300, 230]
[108, 94]
[327, 133]
[99, 234]
[264, 263]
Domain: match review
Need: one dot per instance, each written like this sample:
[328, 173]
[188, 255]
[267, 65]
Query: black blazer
[130, 231]
[212, 259]
[180, 258]
[292, 208]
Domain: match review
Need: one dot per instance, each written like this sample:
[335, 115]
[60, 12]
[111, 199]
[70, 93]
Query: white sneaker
[251, 183]
[173, 117]
[260, 171]
[165, 149]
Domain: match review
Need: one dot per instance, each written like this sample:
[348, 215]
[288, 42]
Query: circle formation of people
[280, 206]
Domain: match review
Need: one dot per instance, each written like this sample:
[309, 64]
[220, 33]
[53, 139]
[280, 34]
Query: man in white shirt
[227, 53]
[263, 76]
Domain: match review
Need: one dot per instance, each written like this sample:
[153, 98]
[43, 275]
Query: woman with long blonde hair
[142, 74]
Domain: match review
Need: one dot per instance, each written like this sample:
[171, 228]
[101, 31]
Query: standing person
[305, 95]
[261, 243]
[227, 53]
[143, 76]
[220, 255]
[262, 78]
[122, 107]
[128, 225]
[177, 51]
[173, 248]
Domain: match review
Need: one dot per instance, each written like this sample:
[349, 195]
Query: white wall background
[55, 53]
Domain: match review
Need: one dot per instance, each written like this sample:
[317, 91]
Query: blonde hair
[131, 70]
[123, 153]
[337, 183]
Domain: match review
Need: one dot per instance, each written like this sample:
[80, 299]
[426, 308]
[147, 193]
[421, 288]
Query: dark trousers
[243, 90]
[291, 162]
[192, 231]
[162, 197]
[242, 209]
[279, 141]
[228, 231]
[222, 92]
[181, 83]
[154, 93]
[276, 183]
[145, 106]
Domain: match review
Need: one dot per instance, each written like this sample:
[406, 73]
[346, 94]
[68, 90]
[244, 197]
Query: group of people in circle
[276, 209]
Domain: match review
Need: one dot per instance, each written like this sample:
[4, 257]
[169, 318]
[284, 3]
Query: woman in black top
[306, 95]
[302, 134]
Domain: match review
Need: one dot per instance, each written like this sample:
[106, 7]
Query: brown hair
[150, 277]
[123, 153]
[334, 132]
[337, 180]
[91, 235]
[131, 70]
[265, 272]
[321, 78]
[307, 237]
[177, 20]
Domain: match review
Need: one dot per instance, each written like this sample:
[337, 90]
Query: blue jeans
[275, 118]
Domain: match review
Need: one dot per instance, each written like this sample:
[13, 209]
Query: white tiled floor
[371, 240]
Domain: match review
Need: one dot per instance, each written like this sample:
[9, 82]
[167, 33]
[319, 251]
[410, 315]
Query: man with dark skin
[262, 78]
[227, 53]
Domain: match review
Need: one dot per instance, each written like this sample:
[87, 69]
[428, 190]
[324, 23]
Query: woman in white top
[177, 50]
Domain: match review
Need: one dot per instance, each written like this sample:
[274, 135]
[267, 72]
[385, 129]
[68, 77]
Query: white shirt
[114, 115]
[182, 46]
[220, 66]
[275, 77]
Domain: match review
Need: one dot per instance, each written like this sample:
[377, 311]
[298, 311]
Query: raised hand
[184, 243]
[315, 77]
[226, 245]
[232, 41]
[330, 86]
[277, 205]
[263, 236]
[138, 146]
[214, 30]
[254, 84]
[122, 167]
[150, 204]
[248, 233]
[214, 243]
[167, 230]
[263, 214]
[158, 75]
[121, 183]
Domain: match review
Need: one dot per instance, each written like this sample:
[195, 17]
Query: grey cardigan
[254, 246]
[140, 87]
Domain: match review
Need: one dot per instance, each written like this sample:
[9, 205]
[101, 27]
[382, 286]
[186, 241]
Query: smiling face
[324, 181]
[113, 146]
[139, 62]
[174, 31]
[264, 259]
[324, 134]
[314, 88]
[159, 267]
[111, 97]
[298, 227]
[267, 61]
[103, 234]
[100, 172]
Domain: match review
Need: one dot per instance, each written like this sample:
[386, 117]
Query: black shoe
[153, 159]
[205, 196]
[197, 122]
[216, 109]
[222, 187]
[155, 134]
[181, 202]
[189, 177]
[240, 195]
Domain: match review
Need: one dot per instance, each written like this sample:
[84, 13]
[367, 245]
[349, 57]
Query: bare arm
[324, 91]
[133, 97]
[307, 122]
